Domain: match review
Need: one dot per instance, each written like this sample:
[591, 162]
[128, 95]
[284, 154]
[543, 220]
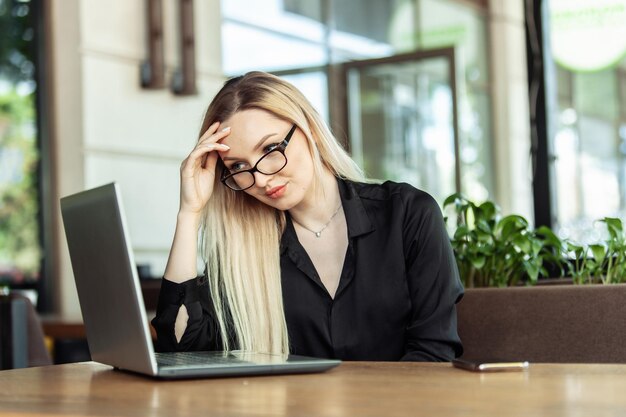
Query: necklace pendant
[318, 234]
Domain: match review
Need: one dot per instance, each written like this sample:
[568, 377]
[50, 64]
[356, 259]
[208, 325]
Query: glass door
[402, 119]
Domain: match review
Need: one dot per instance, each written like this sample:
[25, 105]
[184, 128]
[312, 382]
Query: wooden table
[352, 389]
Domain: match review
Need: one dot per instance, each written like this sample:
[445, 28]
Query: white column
[66, 115]
[511, 129]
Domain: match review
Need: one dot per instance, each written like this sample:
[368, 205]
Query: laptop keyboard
[197, 358]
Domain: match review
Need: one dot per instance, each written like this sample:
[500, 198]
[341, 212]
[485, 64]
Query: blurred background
[519, 101]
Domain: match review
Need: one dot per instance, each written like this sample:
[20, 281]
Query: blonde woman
[302, 254]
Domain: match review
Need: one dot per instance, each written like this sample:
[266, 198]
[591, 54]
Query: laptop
[113, 309]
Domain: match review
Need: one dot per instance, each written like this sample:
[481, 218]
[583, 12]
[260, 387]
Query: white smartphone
[489, 365]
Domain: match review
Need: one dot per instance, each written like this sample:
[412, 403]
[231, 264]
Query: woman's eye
[271, 147]
[237, 166]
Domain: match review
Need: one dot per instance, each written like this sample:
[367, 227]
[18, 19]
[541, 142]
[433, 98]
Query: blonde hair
[241, 236]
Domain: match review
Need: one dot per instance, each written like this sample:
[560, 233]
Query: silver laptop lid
[106, 279]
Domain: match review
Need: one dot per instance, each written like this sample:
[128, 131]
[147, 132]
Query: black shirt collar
[359, 222]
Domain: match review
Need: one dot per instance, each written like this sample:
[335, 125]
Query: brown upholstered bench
[562, 323]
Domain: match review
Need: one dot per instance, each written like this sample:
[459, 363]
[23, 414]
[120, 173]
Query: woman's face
[253, 134]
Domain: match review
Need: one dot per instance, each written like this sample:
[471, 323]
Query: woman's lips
[276, 192]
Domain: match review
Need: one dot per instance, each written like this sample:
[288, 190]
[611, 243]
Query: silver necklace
[319, 232]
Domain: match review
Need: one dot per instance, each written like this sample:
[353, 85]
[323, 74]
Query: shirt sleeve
[202, 331]
[434, 284]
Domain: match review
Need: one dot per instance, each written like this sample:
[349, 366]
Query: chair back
[22, 341]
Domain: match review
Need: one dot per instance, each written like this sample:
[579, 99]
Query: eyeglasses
[270, 163]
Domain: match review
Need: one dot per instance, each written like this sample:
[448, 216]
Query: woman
[302, 254]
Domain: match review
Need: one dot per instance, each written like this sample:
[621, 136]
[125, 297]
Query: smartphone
[489, 365]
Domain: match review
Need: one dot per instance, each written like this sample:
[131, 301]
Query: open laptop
[112, 306]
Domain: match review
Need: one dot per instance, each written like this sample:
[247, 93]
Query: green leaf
[470, 216]
[511, 225]
[536, 247]
[483, 238]
[522, 243]
[614, 223]
[518, 220]
[488, 210]
[599, 252]
[508, 228]
[549, 236]
[572, 246]
[451, 199]
[614, 227]
[532, 270]
[478, 262]
[483, 226]
[461, 232]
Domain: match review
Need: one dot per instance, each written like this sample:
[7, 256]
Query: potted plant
[600, 263]
[495, 251]
[557, 323]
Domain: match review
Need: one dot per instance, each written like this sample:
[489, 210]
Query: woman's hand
[197, 172]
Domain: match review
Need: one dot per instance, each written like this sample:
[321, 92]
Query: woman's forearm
[183, 258]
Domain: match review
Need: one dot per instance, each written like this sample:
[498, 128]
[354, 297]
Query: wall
[107, 128]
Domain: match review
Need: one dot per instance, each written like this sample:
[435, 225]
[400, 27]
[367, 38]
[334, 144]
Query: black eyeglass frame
[280, 148]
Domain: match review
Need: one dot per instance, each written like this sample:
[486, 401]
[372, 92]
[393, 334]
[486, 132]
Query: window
[267, 35]
[448, 22]
[300, 39]
[586, 64]
[20, 249]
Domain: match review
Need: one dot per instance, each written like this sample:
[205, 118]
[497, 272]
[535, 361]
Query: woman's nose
[261, 179]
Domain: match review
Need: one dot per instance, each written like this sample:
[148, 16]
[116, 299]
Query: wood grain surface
[352, 389]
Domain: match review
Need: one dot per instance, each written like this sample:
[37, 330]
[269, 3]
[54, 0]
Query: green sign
[588, 35]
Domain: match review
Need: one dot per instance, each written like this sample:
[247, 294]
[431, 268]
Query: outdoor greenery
[16, 41]
[496, 251]
[20, 251]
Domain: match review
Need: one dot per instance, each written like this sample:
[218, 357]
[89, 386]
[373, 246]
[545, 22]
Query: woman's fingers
[207, 143]
[213, 135]
[199, 156]
[205, 149]
[208, 147]
[208, 153]
[212, 129]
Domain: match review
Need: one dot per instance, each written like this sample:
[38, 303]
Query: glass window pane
[371, 28]
[292, 18]
[314, 86]
[595, 94]
[622, 90]
[589, 136]
[446, 23]
[245, 48]
[587, 177]
[401, 123]
[20, 252]
[477, 180]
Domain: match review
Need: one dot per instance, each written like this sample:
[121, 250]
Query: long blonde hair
[241, 235]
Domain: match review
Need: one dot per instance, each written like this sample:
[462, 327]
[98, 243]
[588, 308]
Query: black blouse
[396, 296]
